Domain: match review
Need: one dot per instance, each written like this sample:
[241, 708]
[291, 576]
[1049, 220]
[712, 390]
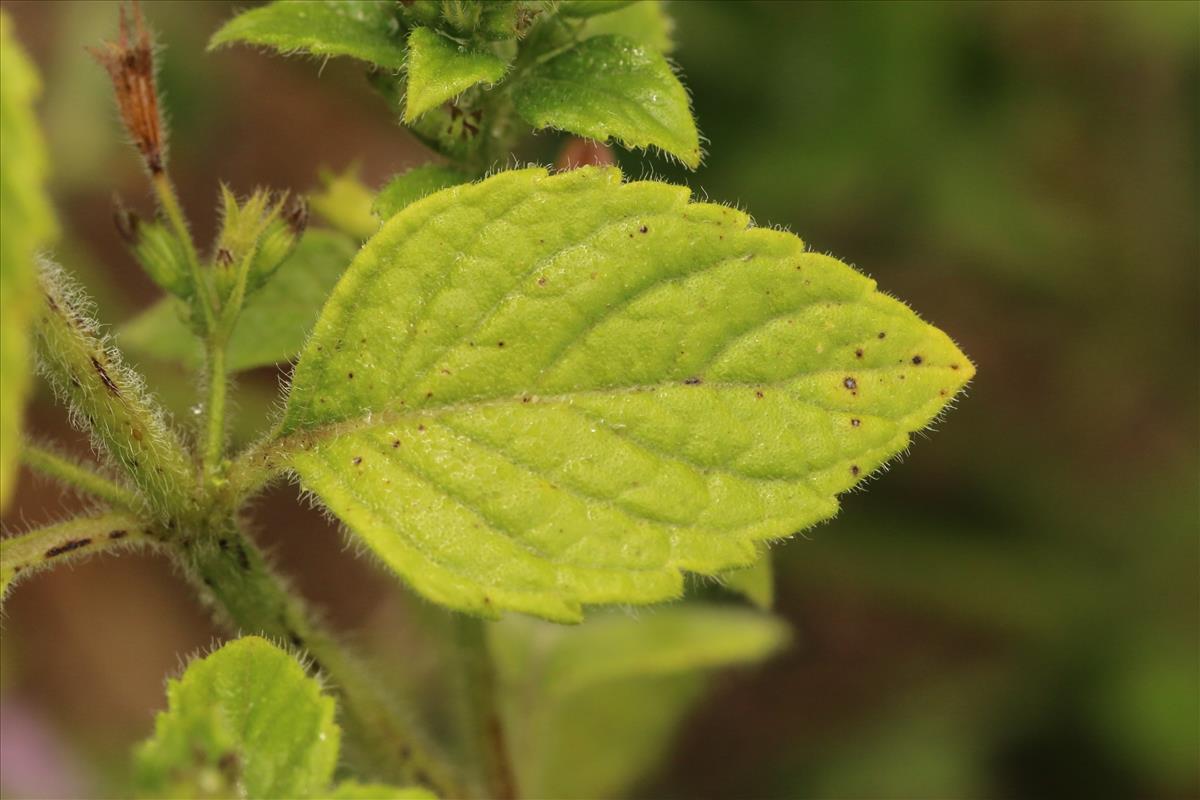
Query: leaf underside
[612, 87]
[538, 392]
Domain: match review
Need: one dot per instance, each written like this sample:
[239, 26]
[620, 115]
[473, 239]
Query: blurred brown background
[1012, 612]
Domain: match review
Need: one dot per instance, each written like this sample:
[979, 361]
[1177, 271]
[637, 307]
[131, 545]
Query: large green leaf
[440, 70]
[612, 87]
[275, 321]
[244, 722]
[363, 29]
[538, 392]
[591, 708]
[28, 224]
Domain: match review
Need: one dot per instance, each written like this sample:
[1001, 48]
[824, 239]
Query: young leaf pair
[459, 72]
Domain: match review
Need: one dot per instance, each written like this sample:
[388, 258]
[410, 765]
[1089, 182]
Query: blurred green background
[1012, 612]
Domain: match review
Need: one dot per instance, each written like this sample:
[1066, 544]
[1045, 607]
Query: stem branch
[65, 470]
[214, 408]
[39, 548]
[480, 712]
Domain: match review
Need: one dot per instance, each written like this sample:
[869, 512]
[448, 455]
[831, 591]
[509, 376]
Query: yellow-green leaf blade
[610, 87]
[440, 70]
[539, 392]
[245, 721]
[28, 223]
[364, 29]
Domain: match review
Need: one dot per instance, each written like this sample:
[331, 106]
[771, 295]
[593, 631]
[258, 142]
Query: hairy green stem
[70, 472]
[39, 548]
[214, 409]
[480, 712]
[108, 401]
[251, 598]
[169, 202]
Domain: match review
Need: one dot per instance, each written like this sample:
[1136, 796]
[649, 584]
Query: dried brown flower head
[130, 64]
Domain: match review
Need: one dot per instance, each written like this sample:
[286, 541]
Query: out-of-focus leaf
[539, 392]
[353, 790]
[28, 224]
[612, 87]
[440, 70]
[245, 721]
[344, 202]
[756, 582]
[645, 21]
[591, 708]
[363, 29]
[274, 322]
[590, 8]
[411, 186]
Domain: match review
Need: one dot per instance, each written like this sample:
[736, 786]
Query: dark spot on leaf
[693, 381]
[882, 335]
[854, 423]
[115, 535]
[350, 375]
[541, 281]
[395, 443]
[758, 393]
[954, 366]
[499, 344]
[357, 460]
[917, 360]
[858, 353]
[643, 229]
[850, 383]
[854, 470]
[428, 395]
[420, 427]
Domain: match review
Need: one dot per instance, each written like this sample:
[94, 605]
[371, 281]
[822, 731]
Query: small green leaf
[404, 190]
[612, 87]
[274, 322]
[244, 722]
[352, 790]
[591, 708]
[646, 21]
[590, 8]
[28, 223]
[363, 29]
[756, 582]
[440, 70]
[537, 392]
